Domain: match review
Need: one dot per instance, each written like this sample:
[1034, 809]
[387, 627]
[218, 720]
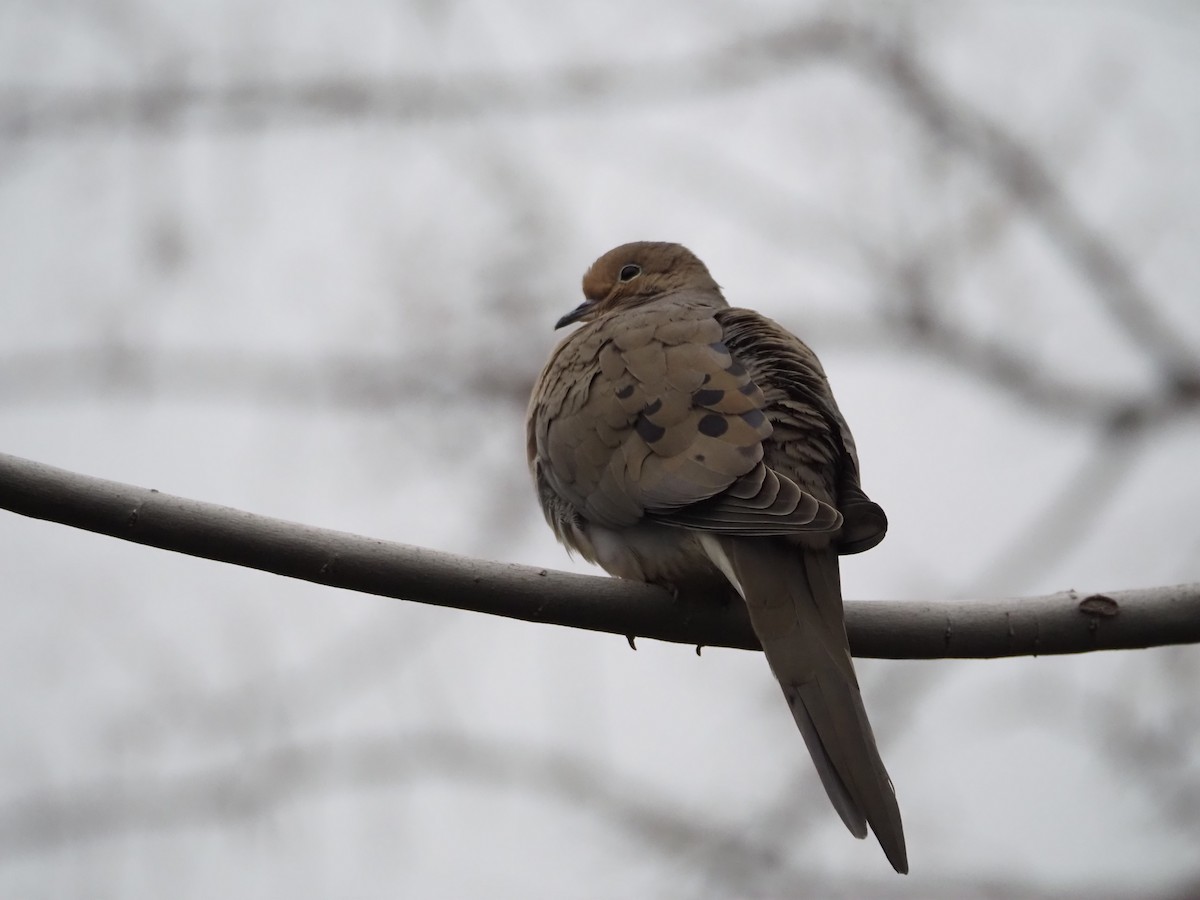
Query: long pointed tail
[795, 601]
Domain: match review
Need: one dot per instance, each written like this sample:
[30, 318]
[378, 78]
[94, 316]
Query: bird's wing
[648, 413]
[811, 442]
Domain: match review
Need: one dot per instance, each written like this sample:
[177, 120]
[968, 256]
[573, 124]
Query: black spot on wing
[708, 397]
[754, 418]
[713, 425]
[652, 408]
[625, 393]
[735, 368]
[648, 431]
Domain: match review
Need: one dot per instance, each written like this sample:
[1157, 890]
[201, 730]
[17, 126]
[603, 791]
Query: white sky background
[182, 307]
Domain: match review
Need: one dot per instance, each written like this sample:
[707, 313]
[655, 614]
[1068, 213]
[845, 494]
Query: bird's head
[636, 273]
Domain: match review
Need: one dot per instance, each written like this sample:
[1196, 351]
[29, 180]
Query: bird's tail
[795, 601]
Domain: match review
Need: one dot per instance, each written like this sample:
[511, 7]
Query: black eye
[630, 272]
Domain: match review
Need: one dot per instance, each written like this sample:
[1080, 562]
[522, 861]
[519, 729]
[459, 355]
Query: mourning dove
[676, 440]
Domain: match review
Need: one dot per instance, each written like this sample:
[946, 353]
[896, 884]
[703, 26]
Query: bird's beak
[574, 315]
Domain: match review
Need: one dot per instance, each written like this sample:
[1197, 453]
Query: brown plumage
[676, 440]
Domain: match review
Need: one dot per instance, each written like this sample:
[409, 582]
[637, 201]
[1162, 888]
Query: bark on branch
[1067, 622]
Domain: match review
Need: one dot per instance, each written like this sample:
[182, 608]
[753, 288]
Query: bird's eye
[630, 272]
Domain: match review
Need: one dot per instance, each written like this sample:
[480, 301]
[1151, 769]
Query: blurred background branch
[224, 794]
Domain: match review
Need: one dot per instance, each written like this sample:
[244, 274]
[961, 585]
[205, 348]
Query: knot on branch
[1099, 606]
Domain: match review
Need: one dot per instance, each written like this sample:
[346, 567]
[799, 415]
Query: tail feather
[839, 793]
[795, 603]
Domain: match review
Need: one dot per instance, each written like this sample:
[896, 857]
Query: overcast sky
[305, 260]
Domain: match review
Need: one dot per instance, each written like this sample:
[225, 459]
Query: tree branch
[1028, 180]
[251, 105]
[1067, 622]
[42, 820]
[108, 368]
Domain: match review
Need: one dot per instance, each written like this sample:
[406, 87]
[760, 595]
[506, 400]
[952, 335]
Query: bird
[677, 440]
